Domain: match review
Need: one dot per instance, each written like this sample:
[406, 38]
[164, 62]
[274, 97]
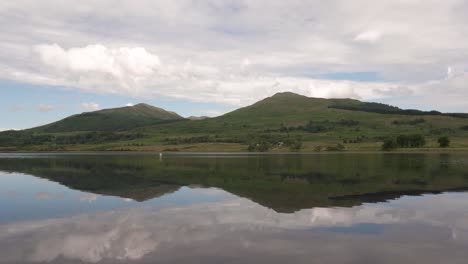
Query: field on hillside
[283, 122]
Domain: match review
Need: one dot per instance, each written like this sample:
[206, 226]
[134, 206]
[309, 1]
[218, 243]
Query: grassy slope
[231, 131]
[293, 110]
[110, 119]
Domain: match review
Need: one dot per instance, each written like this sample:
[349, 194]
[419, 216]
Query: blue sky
[210, 57]
[21, 104]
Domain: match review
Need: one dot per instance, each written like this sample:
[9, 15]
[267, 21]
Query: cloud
[129, 104]
[88, 197]
[90, 106]
[45, 108]
[98, 58]
[207, 84]
[144, 233]
[210, 112]
[6, 129]
[395, 91]
[235, 56]
[370, 36]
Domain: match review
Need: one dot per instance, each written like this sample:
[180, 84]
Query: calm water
[324, 208]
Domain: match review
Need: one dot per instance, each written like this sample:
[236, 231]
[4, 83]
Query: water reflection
[285, 183]
[427, 229]
[260, 209]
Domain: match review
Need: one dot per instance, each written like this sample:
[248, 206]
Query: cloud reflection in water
[426, 229]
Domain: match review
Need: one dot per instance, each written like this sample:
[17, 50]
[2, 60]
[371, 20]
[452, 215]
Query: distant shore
[149, 152]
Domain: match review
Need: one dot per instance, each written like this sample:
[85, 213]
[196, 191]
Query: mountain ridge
[293, 102]
[110, 119]
[283, 117]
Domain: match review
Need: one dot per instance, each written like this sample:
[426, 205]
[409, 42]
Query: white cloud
[132, 234]
[395, 91]
[209, 112]
[95, 66]
[207, 84]
[6, 129]
[370, 36]
[235, 56]
[45, 108]
[98, 58]
[88, 197]
[129, 104]
[90, 106]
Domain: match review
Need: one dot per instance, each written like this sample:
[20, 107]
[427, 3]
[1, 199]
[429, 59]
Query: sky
[208, 57]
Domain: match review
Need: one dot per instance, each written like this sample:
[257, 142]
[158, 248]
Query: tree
[296, 145]
[262, 146]
[444, 141]
[389, 144]
[410, 141]
[312, 127]
[417, 141]
[404, 141]
[283, 128]
[252, 147]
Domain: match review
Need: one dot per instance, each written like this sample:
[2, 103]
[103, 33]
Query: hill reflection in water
[285, 183]
[339, 208]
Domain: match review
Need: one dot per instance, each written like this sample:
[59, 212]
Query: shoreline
[222, 153]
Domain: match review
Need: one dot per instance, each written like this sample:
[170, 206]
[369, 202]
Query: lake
[237, 208]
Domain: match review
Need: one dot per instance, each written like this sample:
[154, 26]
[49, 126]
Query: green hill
[122, 118]
[317, 121]
[290, 109]
[279, 121]
[289, 112]
[286, 108]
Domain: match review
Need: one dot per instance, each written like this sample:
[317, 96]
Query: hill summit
[282, 121]
[112, 119]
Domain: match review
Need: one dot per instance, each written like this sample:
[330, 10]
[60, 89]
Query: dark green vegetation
[283, 122]
[444, 142]
[388, 109]
[404, 141]
[285, 183]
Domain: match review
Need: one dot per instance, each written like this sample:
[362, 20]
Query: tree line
[23, 138]
[411, 141]
[388, 109]
[319, 126]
